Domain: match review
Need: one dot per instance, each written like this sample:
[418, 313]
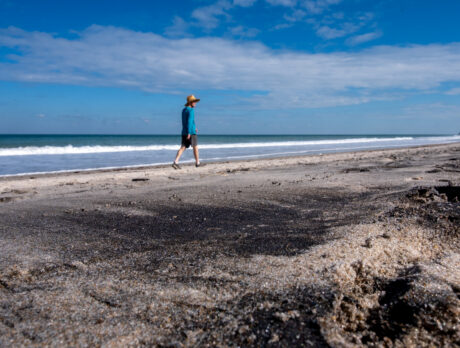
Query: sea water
[28, 154]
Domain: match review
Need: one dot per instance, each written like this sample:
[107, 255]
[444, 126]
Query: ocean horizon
[22, 154]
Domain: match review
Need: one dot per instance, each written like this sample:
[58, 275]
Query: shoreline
[190, 163]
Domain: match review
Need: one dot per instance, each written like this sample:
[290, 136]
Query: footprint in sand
[15, 191]
[7, 199]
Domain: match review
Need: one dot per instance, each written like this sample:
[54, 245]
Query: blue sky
[259, 66]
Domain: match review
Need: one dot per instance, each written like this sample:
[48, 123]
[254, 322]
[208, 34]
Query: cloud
[116, 57]
[325, 30]
[295, 16]
[244, 3]
[359, 39]
[436, 110]
[178, 28]
[287, 3]
[329, 33]
[41, 115]
[244, 32]
[208, 16]
[282, 26]
[338, 15]
[327, 25]
[453, 91]
[319, 6]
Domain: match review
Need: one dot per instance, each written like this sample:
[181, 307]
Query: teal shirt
[188, 121]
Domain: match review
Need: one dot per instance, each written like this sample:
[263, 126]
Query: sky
[258, 66]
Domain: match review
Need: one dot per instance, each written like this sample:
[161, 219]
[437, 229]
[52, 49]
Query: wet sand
[350, 249]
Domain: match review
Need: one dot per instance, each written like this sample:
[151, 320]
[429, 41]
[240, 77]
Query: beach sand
[342, 250]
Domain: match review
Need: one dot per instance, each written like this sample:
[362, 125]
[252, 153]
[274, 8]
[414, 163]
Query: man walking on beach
[188, 131]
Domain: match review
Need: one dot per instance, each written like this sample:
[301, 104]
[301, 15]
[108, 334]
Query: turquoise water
[11, 141]
[20, 154]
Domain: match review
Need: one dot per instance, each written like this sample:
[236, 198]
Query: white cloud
[366, 17]
[328, 33]
[434, 110]
[178, 28]
[453, 91]
[319, 6]
[287, 3]
[331, 27]
[244, 3]
[359, 39]
[327, 25]
[244, 32]
[283, 26]
[208, 16]
[109, 56]
[295, 16]
[338, 15]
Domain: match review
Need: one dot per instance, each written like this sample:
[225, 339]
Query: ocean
[32, 154]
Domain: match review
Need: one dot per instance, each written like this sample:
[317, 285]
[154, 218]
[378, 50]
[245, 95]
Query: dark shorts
[192, 141]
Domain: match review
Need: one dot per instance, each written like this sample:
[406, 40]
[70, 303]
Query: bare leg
[195, 152]
[179, 153]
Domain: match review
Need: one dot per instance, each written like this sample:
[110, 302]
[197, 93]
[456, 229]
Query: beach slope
[349, 249]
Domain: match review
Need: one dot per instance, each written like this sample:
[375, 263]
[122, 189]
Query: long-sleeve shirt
[188, 121]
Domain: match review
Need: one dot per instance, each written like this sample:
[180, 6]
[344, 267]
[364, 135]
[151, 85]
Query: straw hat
[191, 99]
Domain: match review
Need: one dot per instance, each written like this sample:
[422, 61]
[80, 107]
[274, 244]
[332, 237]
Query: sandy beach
[342, 250]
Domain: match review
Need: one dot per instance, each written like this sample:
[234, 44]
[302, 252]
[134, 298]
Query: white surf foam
[217, 159]
[69, 149]
[436, 140]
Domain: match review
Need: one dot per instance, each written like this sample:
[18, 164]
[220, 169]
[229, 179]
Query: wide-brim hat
[191, 99]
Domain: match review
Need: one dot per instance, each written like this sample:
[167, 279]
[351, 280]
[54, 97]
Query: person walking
[189, 131]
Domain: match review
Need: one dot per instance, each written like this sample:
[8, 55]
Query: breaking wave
[69, 149]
